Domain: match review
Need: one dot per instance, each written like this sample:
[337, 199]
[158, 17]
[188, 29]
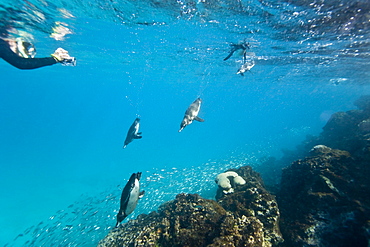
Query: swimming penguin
[133, 132]
[234, 47]
[191, 114]
[130, 195]
[245, 67]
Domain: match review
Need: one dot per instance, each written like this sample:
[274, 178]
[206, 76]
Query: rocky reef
[349, 131]
[323, 199]
[247, 217]
[254, 202]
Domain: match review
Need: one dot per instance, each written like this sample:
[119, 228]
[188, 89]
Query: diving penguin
[133, 132]
[191, 114]
[245, 67]
[130, 195]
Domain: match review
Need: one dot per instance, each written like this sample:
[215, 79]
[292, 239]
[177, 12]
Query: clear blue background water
[62, 128]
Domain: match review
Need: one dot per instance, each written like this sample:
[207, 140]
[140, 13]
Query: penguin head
[120, 217]
[184, 123]
[138, 175]
[241, 71]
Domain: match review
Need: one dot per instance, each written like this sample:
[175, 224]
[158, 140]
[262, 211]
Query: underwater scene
[185, 123]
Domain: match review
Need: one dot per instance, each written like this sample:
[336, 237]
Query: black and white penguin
[130, 195]
[133, 132]
[191, 114]
[247, 66]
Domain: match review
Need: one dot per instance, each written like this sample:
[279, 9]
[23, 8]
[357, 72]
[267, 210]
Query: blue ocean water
[62, 128]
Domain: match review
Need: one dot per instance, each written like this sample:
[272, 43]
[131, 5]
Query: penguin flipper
[199, 119]
[137, 137]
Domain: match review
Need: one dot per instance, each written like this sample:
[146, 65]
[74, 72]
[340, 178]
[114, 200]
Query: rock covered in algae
[192, 221]
[189, 220]
[253, 201]
[325, 199]
[349, 131]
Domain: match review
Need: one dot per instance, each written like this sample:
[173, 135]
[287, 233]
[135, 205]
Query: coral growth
[228, 180]
[191, 220]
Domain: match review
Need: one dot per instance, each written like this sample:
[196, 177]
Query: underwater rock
[325, 200]
[190, 220]
[364, 126]
[253, 201]
[349, 131]
[343, 123]
[320, 149]
[363, 103]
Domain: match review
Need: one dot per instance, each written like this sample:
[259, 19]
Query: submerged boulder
[343, 131]
[325, 200]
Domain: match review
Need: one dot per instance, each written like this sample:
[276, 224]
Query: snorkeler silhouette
[242, 46]
[21, 54]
